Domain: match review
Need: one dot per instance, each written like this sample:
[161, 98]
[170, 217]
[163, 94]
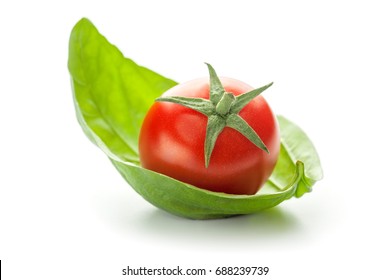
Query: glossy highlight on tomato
[172, 142]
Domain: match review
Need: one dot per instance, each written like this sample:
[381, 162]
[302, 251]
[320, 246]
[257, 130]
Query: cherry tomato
[172, 141]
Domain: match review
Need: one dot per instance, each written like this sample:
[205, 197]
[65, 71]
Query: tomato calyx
[222, 111]
[224, 105]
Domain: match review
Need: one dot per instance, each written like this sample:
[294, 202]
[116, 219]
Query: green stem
[224, 105]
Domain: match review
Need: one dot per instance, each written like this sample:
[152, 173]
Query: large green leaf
[112, 95]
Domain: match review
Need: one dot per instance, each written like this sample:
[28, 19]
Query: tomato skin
[172, 142]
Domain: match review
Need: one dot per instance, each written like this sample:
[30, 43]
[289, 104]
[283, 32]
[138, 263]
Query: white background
[65, 213]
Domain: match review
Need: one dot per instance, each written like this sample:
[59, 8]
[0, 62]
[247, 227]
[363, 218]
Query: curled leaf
[112, 95]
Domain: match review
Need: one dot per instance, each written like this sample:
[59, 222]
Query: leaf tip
[207, 162]
[211, 69]
[82, 23]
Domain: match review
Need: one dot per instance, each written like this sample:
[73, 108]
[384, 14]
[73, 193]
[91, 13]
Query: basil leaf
[288, 179]
[112, 95]
[185, 200]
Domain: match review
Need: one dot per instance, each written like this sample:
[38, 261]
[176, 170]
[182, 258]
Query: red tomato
[172, 142]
